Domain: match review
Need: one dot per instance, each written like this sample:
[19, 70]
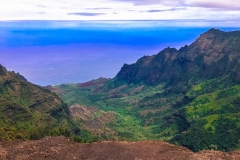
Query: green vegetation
[198, 120]
[214, 120]
[29, 111]
[137, 108]
[189, 97]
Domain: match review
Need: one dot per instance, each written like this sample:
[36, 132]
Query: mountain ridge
[29, 111]
[184, 59]
[188, 97]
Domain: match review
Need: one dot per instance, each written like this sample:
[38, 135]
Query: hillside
[29, 111]
[189, 97]
[214, 54]
[63, 148]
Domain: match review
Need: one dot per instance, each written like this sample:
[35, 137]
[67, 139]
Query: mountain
[29, 111]
[189, 97]
[214, 54]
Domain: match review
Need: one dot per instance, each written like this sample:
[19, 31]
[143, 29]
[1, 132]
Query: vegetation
[29, 111]
[188, 97]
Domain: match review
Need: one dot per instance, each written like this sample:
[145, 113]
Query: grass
[128, 125]
[197, 87]
[210, 122]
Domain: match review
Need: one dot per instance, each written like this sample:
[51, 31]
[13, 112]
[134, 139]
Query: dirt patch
[131, 101]
[3, 152]
[136, 90]
[61, 148]
[144, 113]
[93, 119]
[55, 89]
[86, 84]
[116, 90]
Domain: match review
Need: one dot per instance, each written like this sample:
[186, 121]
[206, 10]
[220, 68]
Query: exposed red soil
[93, 120]
[86, 84]
[55, 89]
[61, 148]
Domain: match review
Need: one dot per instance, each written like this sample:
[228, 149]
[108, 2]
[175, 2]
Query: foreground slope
[29, 111]
[188, 96]
[62, 148]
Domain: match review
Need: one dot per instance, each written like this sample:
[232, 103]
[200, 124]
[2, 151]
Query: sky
[206, 11]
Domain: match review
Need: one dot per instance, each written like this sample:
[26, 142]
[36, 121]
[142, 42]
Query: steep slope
[214, 54]
[212, 119]
[94, 120]
[204, 78]
[29, 111]
[188, 96]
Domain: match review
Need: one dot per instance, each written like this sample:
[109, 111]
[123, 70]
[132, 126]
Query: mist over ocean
[57, 52]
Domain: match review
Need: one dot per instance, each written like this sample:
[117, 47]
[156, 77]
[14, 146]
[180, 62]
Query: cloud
[166, 10]
[87, 14]
[41, 6]
[103, 8]
[119, 9]
[219, 4]
[149, 2]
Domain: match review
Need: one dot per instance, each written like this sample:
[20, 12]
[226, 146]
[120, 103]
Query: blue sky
[205, 11]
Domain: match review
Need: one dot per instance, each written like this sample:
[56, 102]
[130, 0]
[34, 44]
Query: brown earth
[94, 120]
[61, 148]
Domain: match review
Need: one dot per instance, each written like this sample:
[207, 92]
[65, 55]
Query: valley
[188, 97]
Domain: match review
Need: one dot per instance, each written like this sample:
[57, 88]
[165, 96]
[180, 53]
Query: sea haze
[57, 52]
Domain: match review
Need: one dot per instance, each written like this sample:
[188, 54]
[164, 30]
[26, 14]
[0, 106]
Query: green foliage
[86, 137]
[29, 111]
[214, 120]
[225, 137]
[189, 96]
[190, 119]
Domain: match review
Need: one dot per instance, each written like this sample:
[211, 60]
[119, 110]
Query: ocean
[58, 52]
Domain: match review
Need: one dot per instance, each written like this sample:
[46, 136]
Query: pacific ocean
[57, 52]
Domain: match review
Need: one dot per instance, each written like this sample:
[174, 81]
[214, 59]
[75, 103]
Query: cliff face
[3, 70]
[27, 110]
[201, 84]
[215, 53]
[149, 69]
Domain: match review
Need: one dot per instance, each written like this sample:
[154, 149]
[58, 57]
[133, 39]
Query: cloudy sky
[210, 10]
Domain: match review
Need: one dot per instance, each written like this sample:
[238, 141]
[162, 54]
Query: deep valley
[189, 98]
